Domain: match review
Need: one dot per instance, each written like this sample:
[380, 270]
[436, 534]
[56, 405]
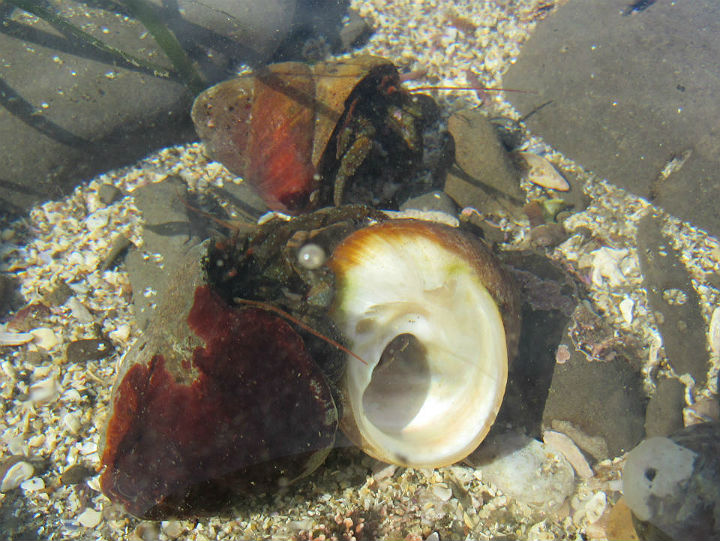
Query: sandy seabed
[53, 411]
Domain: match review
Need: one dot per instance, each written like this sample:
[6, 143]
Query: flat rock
[168, 237]
[601, 398]
[483, 176]
[664, 413]
[69, 111]
[674, 300]
[625, 94]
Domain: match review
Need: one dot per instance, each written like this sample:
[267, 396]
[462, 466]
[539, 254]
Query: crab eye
[311, 256]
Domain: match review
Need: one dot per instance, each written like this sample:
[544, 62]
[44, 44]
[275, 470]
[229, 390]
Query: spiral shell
[435, 317]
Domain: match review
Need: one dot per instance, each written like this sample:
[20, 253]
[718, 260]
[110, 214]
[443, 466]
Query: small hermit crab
[304, 137]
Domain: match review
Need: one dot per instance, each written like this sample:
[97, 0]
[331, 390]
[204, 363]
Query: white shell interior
[432, 403]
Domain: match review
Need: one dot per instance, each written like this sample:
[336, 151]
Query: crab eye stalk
[435, 317]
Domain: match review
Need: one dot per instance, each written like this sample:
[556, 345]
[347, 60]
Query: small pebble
[442, 491]
[385, 472]
[562, 355]
[173, 528]
[146, 531]
[72, 422]
[715, 332]
[44, 391]
[59, 295]
[89, 349]
[76, 474]
[626, 309]
[595, 507]
[108, 194]
[97, 220]
[79, 311]
[8, 338]
[548, 235]
[119, 247]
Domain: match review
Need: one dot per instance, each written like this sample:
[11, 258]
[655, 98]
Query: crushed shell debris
[51, 418]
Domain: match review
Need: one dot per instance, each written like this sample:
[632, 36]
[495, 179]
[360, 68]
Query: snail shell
[436, 318]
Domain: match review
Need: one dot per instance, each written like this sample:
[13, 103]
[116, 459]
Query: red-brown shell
[272, 128]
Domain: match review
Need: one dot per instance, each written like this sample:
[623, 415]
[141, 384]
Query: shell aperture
[414, 299]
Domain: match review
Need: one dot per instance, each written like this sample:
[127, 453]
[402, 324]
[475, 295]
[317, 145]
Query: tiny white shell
[543, 173]
[715, 332]
[626, 309]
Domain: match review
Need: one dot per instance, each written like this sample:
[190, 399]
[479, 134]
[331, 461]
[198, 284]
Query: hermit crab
[305, 136]
[397, 331]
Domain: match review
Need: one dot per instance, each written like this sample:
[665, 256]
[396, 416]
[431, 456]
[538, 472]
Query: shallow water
[55, 403]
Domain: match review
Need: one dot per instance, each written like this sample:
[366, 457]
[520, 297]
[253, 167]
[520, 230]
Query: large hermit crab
[307, 136]
[398, 331]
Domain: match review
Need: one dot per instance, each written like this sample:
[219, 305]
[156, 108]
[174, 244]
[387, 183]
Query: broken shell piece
[626, 309]
[14, 472]
[715, 332]
[541, 172]
[45, 338]
[567, 447]
[45, 390]
[435, 317]
[9, 338]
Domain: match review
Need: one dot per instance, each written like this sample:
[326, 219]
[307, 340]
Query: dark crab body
[303, 135]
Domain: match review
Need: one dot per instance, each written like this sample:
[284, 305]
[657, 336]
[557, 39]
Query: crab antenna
[296, 321]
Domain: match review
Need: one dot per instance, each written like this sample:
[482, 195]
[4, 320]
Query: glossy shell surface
[433, 314]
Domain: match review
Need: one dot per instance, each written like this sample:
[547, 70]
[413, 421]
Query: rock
[602, 398]
[439, 201]
[588, 66]
[67, 115]
[483, 176]
[664, 414]
[620, 523]
[168, 231]
[10, 299]
[674, 300]
[525, 469]
[674, 482]
[109, 193]
[76, 474]
[196, 421]
[89, 349]
[549, 297]
[354, 32]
